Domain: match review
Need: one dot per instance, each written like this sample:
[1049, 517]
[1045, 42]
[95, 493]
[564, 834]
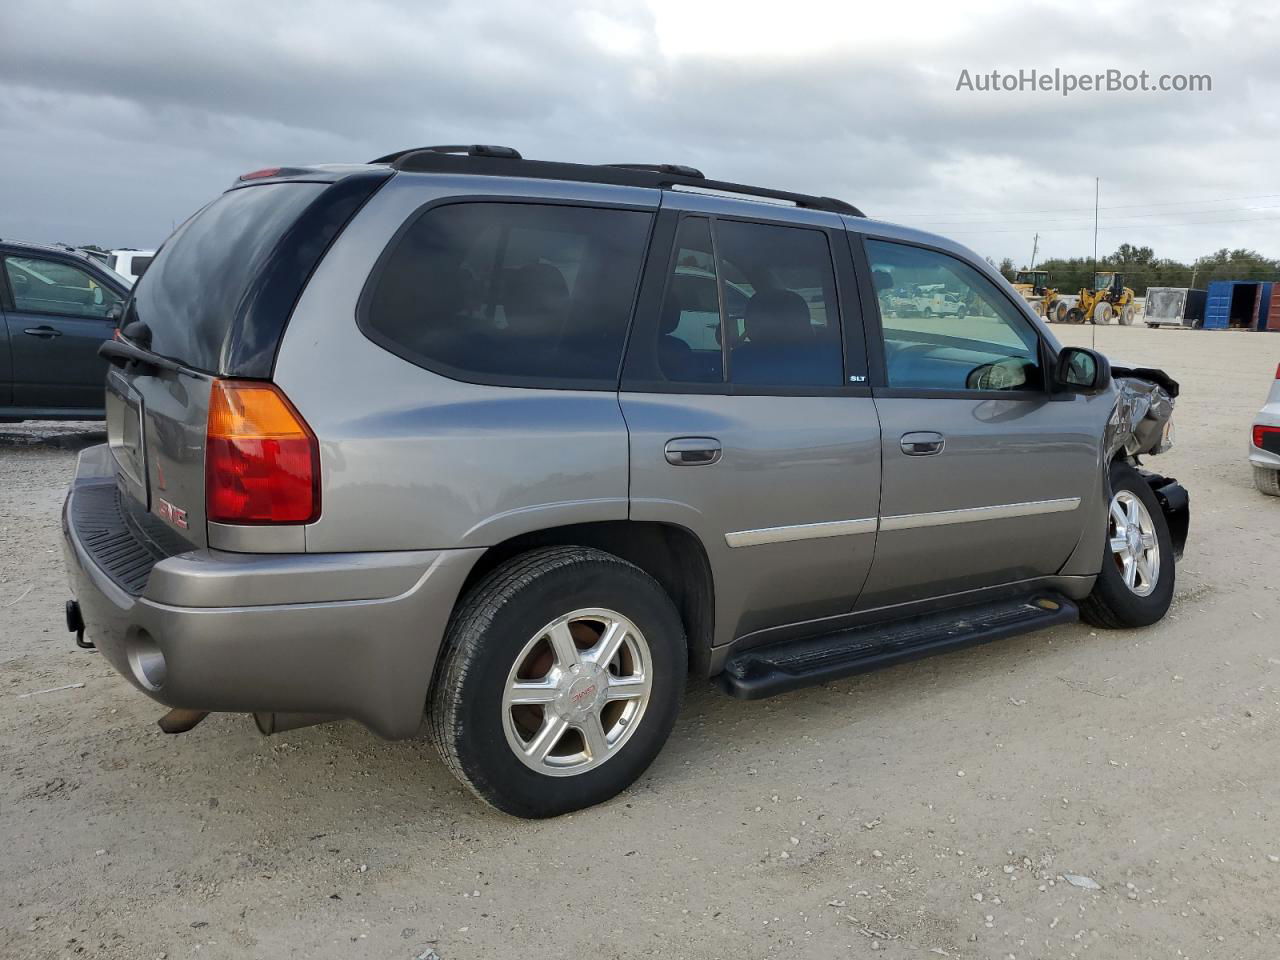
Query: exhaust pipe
[269, 723]
[178, 720]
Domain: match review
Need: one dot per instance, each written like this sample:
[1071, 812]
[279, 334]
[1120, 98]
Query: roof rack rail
[677, 168]
[489, 161]
[472, 150]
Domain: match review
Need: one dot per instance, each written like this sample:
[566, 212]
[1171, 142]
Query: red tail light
[260, 174]
[262, 462]
[1260, 432]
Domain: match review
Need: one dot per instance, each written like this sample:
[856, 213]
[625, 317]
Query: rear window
[515, 293]
[194, 286]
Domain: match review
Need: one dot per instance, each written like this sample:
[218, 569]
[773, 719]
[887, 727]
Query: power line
[1131, 216]
[1124, 226]
[1120, 206]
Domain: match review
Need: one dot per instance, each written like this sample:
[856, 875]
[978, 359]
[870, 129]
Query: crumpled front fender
[1139, 421]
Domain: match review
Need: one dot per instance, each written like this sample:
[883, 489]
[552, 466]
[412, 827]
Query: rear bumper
[353, 635]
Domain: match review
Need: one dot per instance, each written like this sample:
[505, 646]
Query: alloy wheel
[1134, 545]
[577, 692]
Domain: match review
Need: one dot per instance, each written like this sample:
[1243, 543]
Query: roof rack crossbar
[434, 160]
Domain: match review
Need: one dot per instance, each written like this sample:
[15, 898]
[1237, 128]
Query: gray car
[520, 446]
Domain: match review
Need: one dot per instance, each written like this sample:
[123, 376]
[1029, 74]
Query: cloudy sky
[119, 119]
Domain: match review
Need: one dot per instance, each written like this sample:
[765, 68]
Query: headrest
[777, 316]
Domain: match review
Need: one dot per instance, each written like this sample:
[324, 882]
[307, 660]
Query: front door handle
[922, 443]
[44, 333]
[692, 451]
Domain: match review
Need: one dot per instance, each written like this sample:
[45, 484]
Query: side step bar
[776, 668]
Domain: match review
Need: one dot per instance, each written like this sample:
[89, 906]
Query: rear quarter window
[525, 294]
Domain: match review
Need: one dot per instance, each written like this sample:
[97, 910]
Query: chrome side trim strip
[801, 531]
[1004, 511]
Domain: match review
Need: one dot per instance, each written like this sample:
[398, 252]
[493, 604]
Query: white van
[130, 264]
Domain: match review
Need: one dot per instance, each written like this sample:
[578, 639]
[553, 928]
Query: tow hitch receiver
[75, 624]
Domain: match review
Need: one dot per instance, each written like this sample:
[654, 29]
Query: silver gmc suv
[519, 446]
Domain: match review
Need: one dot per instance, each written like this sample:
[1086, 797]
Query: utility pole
[1097, 191]
[1035, 248]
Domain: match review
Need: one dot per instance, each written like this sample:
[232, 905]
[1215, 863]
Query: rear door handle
[922, 443]
[44, 333]
[692, 451]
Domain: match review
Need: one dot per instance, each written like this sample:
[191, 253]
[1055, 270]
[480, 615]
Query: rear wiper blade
[122, 352]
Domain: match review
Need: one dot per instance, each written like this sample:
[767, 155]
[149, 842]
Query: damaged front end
[1142, 419]
[1141, 423]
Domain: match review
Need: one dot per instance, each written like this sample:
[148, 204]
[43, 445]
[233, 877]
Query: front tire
[1135, 585]
[561, 678]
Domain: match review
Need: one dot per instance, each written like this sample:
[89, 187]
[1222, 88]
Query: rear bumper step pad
[777, 668]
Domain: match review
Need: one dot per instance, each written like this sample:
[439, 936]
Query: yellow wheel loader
[1034, 287]
[1109, 299]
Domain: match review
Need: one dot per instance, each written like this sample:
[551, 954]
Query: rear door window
[756, 307]
[194, 287]
[780, 303]
[689, 349]
[525, 294]
[56, 288]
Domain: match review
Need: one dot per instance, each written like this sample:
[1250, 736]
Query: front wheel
[1135, 585]
[562, 675]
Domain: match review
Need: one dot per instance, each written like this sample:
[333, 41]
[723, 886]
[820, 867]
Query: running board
[776, 668]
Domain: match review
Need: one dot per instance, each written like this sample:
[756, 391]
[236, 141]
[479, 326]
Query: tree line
[1142, 269]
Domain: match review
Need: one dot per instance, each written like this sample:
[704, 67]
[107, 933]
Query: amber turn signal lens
[262, 462]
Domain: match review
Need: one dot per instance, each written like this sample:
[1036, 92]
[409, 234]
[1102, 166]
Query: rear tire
[1135, 584]
[1267, 480]
[1075, 315]
[535, 631]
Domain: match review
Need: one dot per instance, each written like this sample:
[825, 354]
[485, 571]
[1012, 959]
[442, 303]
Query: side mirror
[1078, 370]
[1008, 374]
[116, 312]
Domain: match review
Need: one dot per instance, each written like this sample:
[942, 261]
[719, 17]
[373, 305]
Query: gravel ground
[929, 810]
